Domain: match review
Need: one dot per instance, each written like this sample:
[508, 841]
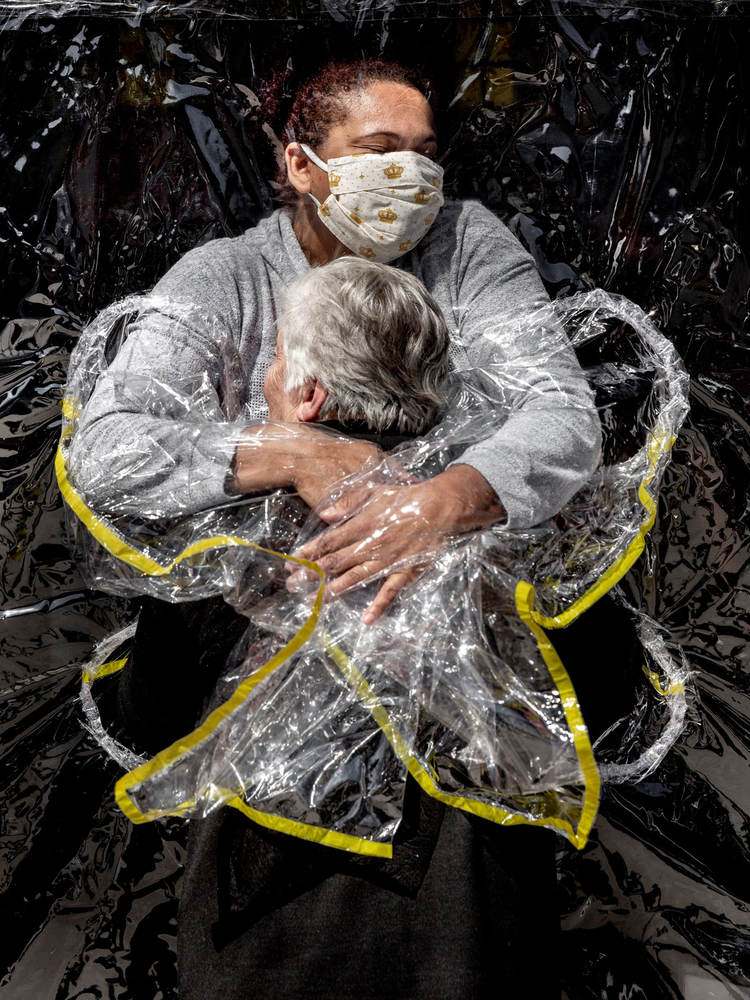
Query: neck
[318, 243]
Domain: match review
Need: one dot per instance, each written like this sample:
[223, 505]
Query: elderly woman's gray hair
[374, 337]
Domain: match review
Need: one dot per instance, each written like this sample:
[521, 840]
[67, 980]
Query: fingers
[345, 506]
[362, 573]
[337, 562]
[387, 533]
[380, 500]
[354, 577]
[387, 594]
[335, 539]
[355, 542]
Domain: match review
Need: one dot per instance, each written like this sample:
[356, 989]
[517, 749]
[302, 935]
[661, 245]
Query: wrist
[467, 499]
[267, 457]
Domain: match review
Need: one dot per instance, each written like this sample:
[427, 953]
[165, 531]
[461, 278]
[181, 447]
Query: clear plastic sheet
[342, 10]
[453, 684]
[609, 137]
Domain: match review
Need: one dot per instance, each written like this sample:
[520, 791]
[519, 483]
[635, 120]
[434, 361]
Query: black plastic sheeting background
[612, 138]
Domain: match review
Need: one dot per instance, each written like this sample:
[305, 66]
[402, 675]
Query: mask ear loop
[312, 156]
[318, 163]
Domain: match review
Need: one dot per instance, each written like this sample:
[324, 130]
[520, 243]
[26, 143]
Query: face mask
[381, 204]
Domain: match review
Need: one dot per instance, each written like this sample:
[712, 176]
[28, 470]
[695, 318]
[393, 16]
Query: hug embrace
[364, 334]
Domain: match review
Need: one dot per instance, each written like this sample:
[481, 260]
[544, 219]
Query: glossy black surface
[613, 140]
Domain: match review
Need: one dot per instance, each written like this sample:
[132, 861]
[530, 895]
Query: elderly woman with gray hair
[360, 144]
[362, 350]
[360, 344]
[462, 911]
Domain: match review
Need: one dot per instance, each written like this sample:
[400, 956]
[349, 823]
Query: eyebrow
[390, 135]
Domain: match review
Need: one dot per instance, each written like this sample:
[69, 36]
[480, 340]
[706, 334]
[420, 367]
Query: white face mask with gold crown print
[381, 204]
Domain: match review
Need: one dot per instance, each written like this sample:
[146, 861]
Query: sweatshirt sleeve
[550, 442]
[154, 438]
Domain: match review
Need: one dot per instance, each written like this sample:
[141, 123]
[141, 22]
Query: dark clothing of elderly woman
[465, 909]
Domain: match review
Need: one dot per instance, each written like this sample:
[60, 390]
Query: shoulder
[474, 255]
[203, 268]
[466, 214]
[463, 233]
[473, 224]
[222, 259]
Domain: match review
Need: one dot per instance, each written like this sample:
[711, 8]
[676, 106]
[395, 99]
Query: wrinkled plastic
[610, 138]
[339, 9]
[456, 683]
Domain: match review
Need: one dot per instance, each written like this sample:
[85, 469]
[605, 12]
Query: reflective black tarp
[612, 138]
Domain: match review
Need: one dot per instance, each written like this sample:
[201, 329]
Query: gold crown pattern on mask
[380, 211]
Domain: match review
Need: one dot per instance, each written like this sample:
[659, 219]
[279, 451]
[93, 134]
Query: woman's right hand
[274, 456]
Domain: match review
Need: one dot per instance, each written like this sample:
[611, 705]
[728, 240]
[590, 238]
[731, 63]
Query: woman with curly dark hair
[465, 909]
[359, 176]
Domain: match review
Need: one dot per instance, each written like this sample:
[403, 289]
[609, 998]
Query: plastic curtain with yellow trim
[317, 719]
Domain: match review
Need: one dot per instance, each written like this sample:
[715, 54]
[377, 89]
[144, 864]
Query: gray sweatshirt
[168, 453]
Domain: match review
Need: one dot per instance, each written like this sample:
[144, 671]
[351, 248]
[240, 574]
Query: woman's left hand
[397, 526]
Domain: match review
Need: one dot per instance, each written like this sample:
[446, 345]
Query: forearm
[300, 456]
[466, 499]
[538, 460]
[134, 463]
[152, 438]
[547, 433]
[269, 457]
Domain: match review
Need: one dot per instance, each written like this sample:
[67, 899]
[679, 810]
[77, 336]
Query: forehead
[388, 107]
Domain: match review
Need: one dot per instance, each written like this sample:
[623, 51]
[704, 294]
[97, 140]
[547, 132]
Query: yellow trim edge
[676, 687]
[659, 444]
[111, 667]
[117, 546]
[592, 782]
[316, 834]
[188, 743]
[121, 549]
[578, 836]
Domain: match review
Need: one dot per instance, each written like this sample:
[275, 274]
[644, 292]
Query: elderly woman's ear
[313, 399]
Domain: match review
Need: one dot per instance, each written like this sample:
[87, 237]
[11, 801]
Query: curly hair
[321, 103]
